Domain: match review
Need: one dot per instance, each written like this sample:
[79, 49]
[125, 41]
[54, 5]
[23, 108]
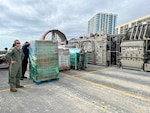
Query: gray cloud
[29, 19]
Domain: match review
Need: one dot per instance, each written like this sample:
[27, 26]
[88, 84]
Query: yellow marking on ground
[4, 90]
[109, 88]
[97, 84]
[103, 107]
[27, 85]
[110, 68]
[84, 72]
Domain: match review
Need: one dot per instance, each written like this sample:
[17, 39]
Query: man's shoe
[24, 77]
[13, 89]
[19, 86]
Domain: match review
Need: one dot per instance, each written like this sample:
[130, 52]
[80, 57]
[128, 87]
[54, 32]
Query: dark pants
[81, 62]
[24, 67]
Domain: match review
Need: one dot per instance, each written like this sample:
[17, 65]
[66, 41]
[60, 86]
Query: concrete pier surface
[94, 90]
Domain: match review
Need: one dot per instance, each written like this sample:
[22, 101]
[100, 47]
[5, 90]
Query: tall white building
[102, 23]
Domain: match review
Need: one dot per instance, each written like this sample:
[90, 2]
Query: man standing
[25, 59]
[14, 57]
[81, 58]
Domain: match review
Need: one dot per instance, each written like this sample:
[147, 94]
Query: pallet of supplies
[64, 58]
[43, 58]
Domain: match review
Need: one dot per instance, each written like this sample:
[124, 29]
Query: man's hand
[13, 62]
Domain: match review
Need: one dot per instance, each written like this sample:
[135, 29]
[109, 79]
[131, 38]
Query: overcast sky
[28, 19]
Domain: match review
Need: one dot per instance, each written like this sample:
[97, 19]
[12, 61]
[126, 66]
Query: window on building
[121, 30]
[133, 24]
[116, 32]
[138, 31]
[128, 33]
[133, 33]
[139, 22]
[142, 32]
[148, 31]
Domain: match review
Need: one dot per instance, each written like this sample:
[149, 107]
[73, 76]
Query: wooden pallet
[64, 68]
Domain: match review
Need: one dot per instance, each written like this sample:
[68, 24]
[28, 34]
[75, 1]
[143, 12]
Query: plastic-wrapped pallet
[64, 58]
[43, 57]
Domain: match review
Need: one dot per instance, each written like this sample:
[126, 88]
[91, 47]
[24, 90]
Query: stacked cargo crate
[74, 58]
[64, 58]
[43, 57]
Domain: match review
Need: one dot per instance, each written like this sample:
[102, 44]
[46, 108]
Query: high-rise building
[121, 29]
[102, 23]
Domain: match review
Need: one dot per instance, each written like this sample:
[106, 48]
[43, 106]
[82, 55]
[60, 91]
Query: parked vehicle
[3, 63]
